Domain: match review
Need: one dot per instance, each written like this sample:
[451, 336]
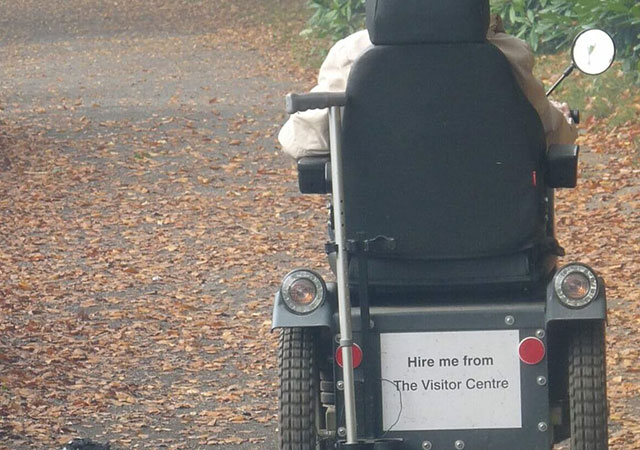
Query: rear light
[303, 291]
[356, 355]
[576, 285]
[531, 350]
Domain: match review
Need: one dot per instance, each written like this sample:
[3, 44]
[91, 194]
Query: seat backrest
[441, 150]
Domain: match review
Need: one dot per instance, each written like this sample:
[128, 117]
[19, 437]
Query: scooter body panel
[426, 381]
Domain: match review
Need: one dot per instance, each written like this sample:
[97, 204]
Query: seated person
[307, 133]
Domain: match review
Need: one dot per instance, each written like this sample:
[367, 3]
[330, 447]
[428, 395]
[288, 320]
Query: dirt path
[146, 220]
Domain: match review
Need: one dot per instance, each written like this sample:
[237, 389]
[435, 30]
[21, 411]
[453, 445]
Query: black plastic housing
[562, 166]
[314, 175]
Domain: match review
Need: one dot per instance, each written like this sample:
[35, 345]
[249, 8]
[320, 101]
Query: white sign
[450, 380]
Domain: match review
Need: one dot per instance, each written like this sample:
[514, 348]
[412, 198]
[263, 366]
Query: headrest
[393, 22]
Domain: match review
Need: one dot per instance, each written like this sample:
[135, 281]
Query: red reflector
[356, 355]
[531, 350]
[534, 176]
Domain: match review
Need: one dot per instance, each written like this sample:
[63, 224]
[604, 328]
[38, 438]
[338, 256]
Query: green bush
[531, 20]
[622, 19]
[335, 18]
[548, 25]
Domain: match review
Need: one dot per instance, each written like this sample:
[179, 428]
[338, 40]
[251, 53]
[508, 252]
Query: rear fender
[283, 317]
[596, 310]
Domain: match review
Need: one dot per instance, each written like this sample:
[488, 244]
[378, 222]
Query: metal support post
[342, 274]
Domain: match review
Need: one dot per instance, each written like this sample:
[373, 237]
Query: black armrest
[314, 175]
[562, 166]
[315, 100]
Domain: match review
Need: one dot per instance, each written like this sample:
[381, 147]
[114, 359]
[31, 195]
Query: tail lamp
[531, 351]
[575, 285]
[356, 355]
[303, 291]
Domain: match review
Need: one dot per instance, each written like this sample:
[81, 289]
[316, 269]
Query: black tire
[299, 390]
[588, 387]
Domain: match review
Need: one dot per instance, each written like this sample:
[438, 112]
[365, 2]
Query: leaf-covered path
[146, 219]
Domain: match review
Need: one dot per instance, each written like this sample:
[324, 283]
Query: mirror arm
[565, 74]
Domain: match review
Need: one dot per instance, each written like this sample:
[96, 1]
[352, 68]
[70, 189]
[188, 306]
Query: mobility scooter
[450, 324]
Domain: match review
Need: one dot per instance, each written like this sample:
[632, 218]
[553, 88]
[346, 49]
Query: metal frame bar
[366, 343]
[342, 274]
[564, 75]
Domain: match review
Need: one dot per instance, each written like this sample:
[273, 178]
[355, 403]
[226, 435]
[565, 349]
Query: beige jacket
[307, 133]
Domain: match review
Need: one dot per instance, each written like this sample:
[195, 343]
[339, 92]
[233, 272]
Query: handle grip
[315, 100]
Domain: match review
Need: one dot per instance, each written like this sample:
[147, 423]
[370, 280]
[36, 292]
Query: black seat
[443, 152]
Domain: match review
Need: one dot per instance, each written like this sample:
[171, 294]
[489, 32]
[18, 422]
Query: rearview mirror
[593, 51]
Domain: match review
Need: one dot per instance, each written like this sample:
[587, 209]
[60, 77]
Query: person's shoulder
[518, 52]
[358, 39]
[350, 47]
[357, 43]
[506, 42]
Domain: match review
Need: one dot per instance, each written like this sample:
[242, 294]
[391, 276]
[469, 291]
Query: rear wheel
[300, 410]
[587, 387]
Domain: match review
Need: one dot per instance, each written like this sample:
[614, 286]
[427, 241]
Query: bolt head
[540, 333]
[342, 431]
[542, 426]
[426, 445]
[459, 445]
[541, 380]
[509, 320]
[340, 385]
